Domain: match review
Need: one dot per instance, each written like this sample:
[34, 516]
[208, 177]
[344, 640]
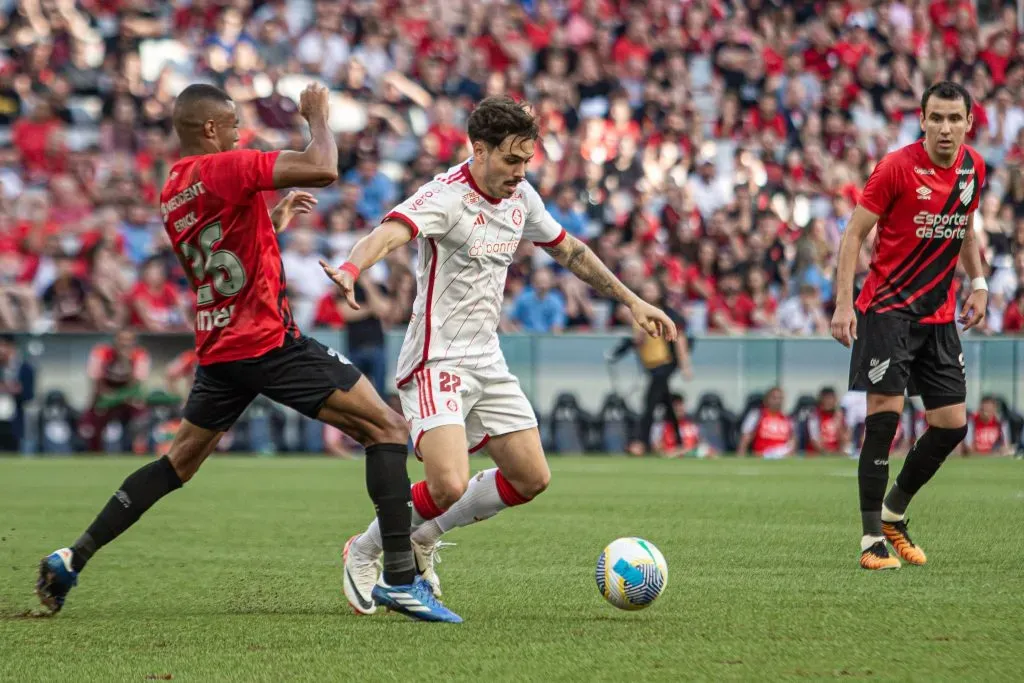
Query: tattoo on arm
[584, 264]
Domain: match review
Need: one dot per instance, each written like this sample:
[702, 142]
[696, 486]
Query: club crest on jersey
[924, 171]
[924, 192]
[516, 216]
[967, 191]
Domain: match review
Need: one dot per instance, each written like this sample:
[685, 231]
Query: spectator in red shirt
[330, 310]
[154, 303]
[729, 311]
[117, 372]
[766, 117]
[1013, 319]
[40, 142]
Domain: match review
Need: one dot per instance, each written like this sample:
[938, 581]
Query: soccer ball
[631, 573]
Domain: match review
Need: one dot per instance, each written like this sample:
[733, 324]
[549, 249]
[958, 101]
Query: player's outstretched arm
[976, 305]
[584, 264]
[383, 240]
[844, 321]
[317, 165]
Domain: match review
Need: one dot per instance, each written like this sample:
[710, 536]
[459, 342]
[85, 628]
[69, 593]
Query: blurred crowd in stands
[715, 147]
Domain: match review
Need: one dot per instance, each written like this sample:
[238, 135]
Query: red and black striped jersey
[217, 220]
[923, 212]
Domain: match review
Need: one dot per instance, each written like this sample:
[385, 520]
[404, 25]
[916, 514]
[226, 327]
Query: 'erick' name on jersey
[924, 213]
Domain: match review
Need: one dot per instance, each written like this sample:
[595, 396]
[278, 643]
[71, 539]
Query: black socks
[873, 468]
[387, 481]
[138, 493]
[923, 461]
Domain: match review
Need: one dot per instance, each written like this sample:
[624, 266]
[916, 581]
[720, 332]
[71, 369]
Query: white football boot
[360, 575]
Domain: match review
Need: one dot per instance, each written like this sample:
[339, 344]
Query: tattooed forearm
[584, 264]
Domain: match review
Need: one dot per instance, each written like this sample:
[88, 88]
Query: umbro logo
[878, 369]
[924, 192]
[924, 171]
[965, 171]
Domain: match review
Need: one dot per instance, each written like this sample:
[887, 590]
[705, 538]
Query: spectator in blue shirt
[563, 211]
[17, 387]
[539, 308]
[377, 191]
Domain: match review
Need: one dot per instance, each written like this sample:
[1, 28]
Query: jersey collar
[476, 188]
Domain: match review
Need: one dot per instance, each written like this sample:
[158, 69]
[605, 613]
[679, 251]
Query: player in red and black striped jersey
[922, 199]
[246, 341]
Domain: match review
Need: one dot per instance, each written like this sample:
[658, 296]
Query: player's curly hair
[495, 118]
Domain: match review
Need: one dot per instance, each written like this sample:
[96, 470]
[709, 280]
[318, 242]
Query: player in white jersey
[455, 386]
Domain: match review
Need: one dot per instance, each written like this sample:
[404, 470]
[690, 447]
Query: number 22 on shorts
[449, 383]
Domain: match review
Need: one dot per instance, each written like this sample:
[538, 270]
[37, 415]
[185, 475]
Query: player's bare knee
[388, 427]
[447, 489]
[535, 483]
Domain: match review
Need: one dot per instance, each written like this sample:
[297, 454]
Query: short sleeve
[540, 227]
[750, 422]
[235, 176]
[426, 211]
[881, 189]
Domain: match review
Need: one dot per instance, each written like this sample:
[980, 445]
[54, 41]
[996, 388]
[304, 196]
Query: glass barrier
[550, 364]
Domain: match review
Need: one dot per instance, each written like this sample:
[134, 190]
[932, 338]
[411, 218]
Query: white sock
[868, 541]
[890, 516]
[480, 501]
[370, 542]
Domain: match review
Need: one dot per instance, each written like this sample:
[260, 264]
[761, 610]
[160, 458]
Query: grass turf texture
[237, 578]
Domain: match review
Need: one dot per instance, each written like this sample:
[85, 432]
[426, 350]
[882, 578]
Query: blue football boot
[416, 601]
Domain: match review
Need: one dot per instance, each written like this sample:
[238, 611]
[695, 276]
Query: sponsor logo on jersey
[924, 171]
[941, 226]
[471, 198]
[965, 171]
[421, 199]
[481, 248]
[216, 317]
[480, 220]
[924, 192]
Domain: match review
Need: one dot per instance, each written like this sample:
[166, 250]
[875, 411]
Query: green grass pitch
[237, 578]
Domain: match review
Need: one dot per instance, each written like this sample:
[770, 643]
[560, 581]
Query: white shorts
[486, 405]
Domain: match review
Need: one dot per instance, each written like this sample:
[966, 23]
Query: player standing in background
[826, 426]
[247, 341]
[454, 384]
[923, 198]
[987, 432]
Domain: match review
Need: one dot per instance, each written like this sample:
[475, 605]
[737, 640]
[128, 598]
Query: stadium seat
[616, 424]
[715, 422]
[569, 425]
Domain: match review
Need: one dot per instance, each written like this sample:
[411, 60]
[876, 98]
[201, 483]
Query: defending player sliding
[455, 387]
[923, 199]
[247, 342]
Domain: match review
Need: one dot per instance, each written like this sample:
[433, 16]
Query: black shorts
[893, 355]
[300, 374]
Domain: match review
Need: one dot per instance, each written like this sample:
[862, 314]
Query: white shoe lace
[431, 556]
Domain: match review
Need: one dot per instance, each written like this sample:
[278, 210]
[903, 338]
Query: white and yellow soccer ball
[631, 573]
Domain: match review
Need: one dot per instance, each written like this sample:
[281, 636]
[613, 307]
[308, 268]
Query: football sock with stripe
[487, 494]
[143, 487]
[387, 482]
[923, 461]
[873, 468]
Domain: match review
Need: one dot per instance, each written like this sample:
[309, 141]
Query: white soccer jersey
[467, 243]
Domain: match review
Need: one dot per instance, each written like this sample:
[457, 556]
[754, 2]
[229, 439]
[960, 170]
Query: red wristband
[350, 268]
